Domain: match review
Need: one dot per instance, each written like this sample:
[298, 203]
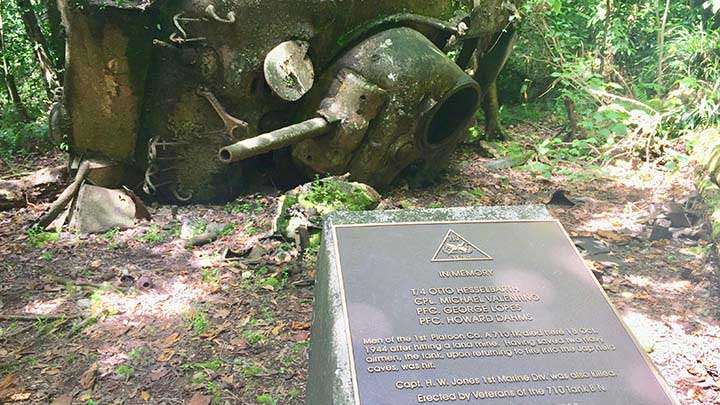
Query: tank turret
[181, 98]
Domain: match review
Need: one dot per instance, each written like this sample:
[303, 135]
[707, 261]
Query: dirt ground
[133, 317]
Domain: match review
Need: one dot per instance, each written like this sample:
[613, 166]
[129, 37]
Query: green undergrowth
[22, 138]
[322, 197]
[38, 238]
[328, 195]
[704, 149]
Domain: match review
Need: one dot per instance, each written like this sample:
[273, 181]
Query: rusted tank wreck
[177, 97]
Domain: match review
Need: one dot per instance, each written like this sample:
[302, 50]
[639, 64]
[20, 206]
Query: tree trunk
[9, 79]
[604, 69]
[661, 41]
[572, 119]
[487, 68]
[491, 108]
[39, 43]
[57, 35]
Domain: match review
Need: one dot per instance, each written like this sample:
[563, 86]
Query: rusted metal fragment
[105, 173]
[289, 71]
[98, 209]
[231, 123]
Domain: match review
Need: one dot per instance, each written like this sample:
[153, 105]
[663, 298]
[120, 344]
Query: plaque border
[353, 371]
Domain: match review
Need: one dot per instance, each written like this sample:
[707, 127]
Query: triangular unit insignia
[456, 248]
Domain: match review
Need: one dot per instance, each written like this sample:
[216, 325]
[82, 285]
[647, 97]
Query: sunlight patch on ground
[646, 330]
[39, 307]
[677, 286]
[633, 216]
[203, 259]
[629, 217]
[641, 178]
[649, 177]
[110, 356]
[168, 300]
[673, 347]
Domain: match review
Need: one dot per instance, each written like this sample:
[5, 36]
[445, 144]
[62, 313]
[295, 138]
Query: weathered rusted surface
[427, 103]
[160, 87]
[274, 140]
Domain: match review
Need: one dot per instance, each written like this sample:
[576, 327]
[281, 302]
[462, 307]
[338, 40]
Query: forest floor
[210, 329]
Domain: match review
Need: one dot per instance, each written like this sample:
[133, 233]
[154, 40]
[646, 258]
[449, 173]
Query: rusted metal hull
[161, 87]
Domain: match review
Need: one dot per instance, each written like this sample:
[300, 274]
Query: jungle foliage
[31, 63]
[626, 78]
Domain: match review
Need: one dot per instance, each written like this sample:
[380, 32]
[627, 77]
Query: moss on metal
[135, 69]
[104, 86]
[307, 204]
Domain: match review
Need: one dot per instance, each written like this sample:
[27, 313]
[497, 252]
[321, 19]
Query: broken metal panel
[107, 59]
[98, 209]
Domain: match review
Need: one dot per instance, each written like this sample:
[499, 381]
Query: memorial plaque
[497, 311]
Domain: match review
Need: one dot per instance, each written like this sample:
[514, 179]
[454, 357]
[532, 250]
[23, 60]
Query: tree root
[65, 197]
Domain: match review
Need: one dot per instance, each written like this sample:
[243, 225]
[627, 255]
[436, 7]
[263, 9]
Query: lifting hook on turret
[231, 123]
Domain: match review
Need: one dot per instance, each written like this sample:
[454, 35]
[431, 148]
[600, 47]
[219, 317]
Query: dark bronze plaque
[484, 312]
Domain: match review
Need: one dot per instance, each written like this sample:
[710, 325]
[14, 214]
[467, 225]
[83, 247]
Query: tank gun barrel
[277, 139]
